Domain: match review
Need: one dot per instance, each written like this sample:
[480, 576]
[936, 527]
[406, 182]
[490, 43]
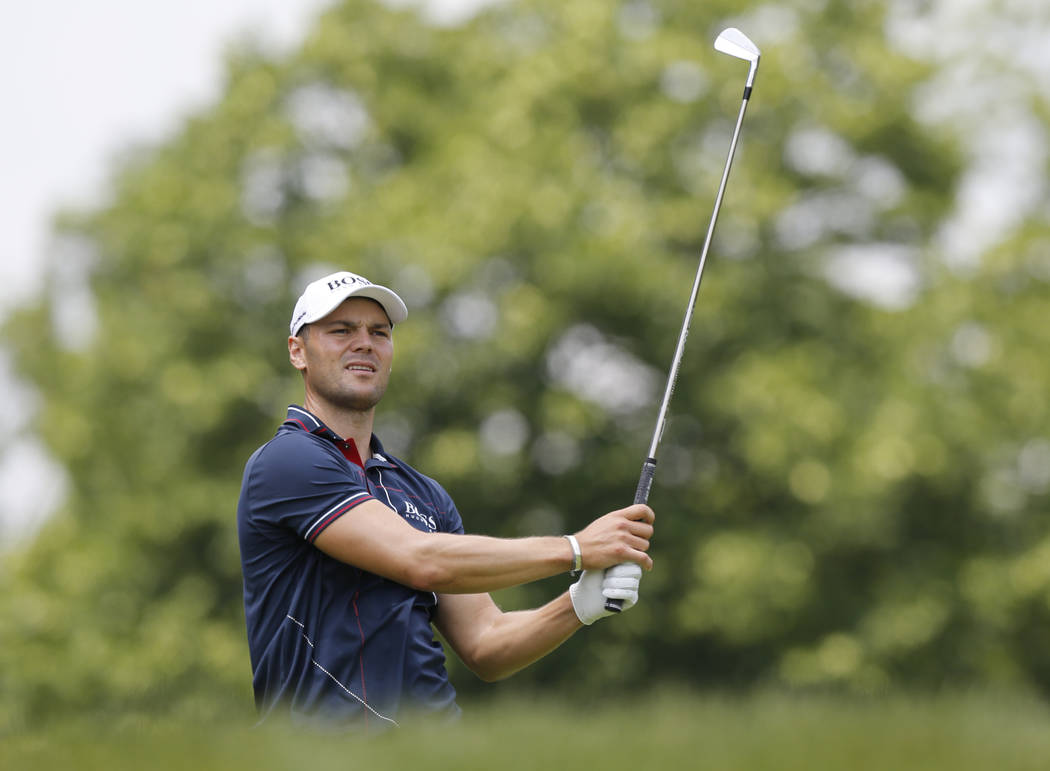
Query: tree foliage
[850, 493]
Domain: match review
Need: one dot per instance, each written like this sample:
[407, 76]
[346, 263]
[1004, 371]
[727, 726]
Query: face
[346, 357]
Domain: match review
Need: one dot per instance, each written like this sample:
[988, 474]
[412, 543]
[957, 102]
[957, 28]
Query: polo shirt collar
[379, 456]
[300, 417]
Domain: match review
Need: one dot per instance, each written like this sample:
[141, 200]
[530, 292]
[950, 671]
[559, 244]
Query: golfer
[351, 558]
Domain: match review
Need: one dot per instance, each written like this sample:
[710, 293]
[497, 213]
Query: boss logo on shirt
[413, 513]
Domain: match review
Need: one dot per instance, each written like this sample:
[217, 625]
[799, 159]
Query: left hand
[619, 536]
[620, 582]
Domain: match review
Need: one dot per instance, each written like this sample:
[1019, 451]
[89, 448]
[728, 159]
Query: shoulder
[293, 454]
[294, 444]
[417, 476]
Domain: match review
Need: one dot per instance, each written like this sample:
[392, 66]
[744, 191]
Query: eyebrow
[371, 325]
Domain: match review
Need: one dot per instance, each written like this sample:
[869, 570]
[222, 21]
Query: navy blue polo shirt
[328, 639]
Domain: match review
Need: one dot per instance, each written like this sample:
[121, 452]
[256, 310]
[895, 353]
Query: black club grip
[641, 495]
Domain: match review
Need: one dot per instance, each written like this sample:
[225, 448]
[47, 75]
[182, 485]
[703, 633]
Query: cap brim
[392, 305]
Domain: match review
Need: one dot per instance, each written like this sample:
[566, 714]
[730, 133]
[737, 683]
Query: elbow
[489, 671]
[491, 660]
[490, 677]
[423, 566]
[426, 576]
[495, 675]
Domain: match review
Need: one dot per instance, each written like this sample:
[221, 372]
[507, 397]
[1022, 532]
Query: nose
[361, 340]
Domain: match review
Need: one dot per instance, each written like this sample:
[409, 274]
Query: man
[350, 555]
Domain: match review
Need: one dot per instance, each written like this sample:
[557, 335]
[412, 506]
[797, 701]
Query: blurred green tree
[853, 485]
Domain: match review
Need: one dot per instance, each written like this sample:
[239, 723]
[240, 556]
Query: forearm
[467, 564]
[509, 642]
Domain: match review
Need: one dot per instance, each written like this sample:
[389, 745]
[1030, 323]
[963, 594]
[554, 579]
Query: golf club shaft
[645, 481]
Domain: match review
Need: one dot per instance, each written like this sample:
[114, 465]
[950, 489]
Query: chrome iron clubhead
[735, 43]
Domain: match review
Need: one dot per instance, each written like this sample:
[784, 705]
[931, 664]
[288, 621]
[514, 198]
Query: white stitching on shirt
[317, 664]
[379, 472]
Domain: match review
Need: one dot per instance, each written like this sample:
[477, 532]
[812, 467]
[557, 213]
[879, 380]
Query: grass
[670, 731]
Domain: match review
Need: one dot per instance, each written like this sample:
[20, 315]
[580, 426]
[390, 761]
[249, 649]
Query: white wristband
[577, 555]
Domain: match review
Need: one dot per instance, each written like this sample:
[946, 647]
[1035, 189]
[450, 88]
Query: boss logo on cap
[348, 281]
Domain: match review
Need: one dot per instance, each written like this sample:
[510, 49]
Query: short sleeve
[448, 520]
[453, 522]
[295, 482]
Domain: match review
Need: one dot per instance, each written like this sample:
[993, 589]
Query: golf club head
[735, 43]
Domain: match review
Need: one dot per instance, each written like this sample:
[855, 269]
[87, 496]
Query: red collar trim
[349, 450]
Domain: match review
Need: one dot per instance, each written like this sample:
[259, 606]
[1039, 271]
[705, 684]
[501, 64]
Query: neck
[348, 424]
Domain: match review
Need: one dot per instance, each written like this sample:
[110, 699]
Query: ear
[297, 352]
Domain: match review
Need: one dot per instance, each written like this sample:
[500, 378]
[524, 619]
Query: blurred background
[854, 487]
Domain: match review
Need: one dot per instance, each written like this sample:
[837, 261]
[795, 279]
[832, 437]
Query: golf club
[735, 43]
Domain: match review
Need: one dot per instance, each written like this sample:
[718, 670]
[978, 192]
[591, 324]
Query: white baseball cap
[324, 295]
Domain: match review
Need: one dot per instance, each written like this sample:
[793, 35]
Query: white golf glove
[619, 582]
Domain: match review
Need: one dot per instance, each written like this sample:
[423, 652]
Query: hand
[619, 536]
[619, 582]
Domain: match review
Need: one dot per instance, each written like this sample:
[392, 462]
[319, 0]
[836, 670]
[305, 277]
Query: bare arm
[375, 538]
[494, 644]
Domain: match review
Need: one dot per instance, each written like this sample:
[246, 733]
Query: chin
[357, 402]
